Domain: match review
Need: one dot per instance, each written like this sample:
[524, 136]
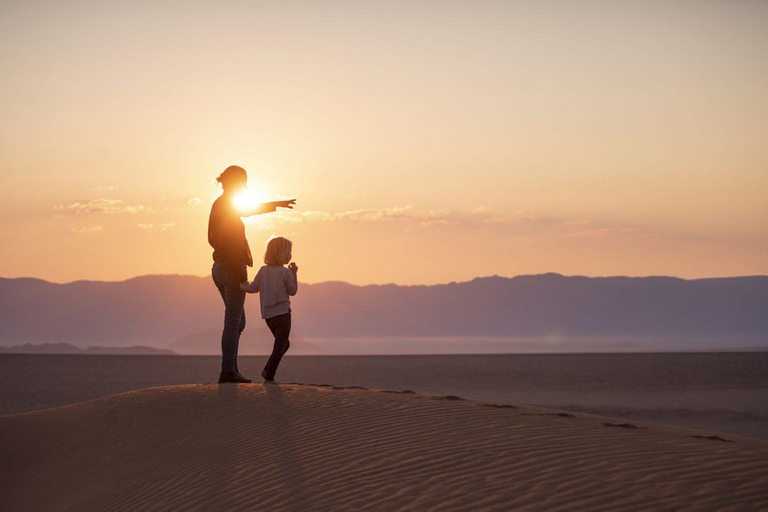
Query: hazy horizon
[204, 276]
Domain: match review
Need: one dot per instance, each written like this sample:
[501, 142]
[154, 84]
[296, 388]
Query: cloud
[315, 216]
[406, 213]
[108, 206]
[510, 219]
[439, 222]
[476, 217]
[400, 213]
[517, 224]
[613, 231]
[159, 227]
[195, 200]
[91, 229]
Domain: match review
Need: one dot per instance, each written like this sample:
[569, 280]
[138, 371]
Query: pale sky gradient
[426, 142]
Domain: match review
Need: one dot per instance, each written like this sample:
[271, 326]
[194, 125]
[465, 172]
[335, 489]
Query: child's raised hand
[245, 286]
[293, 267]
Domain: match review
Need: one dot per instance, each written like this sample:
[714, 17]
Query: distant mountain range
[66, 348]
[550, 311]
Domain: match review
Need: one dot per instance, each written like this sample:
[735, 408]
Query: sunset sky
[426, 142]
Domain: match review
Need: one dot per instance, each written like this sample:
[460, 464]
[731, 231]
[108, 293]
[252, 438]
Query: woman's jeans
[234, 314]
[280, 326]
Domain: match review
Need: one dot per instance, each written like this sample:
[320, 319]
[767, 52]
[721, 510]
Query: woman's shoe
[266, 380]
[241, 376]
[235, 377]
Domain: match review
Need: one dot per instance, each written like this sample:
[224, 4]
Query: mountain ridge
[334, 281]
[157, 310]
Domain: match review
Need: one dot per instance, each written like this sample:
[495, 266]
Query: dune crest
[304, 447]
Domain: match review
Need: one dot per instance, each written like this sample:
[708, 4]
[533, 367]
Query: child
[276, 283]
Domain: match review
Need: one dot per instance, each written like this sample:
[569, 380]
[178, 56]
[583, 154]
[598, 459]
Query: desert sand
[311, 447]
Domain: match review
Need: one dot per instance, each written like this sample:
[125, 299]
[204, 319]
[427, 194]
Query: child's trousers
[281, 328]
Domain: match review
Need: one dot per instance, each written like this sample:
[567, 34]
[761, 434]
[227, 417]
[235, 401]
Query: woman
[231, 256]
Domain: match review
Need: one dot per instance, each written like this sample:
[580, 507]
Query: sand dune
[304, 447]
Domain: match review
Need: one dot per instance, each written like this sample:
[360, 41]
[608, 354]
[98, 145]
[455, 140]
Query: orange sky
[426, 142]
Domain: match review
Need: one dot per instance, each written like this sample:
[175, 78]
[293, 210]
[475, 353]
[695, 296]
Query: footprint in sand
[714, 438]
[624, 425]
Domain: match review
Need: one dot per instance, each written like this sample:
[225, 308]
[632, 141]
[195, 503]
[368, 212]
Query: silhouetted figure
[231, 257]
[276, 284]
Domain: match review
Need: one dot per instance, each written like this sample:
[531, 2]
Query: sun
[244, 200]
[249, 198]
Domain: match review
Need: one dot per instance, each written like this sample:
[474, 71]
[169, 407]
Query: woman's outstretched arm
[268, 207]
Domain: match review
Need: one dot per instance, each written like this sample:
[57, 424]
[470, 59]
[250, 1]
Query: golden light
[249, 198]
[245, 201]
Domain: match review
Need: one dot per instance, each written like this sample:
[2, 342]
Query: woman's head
[233, 178]
[278, 251]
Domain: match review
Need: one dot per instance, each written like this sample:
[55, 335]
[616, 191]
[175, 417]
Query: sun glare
[248, 199]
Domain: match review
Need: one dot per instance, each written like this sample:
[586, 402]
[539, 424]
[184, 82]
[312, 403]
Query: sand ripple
[300, 447]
